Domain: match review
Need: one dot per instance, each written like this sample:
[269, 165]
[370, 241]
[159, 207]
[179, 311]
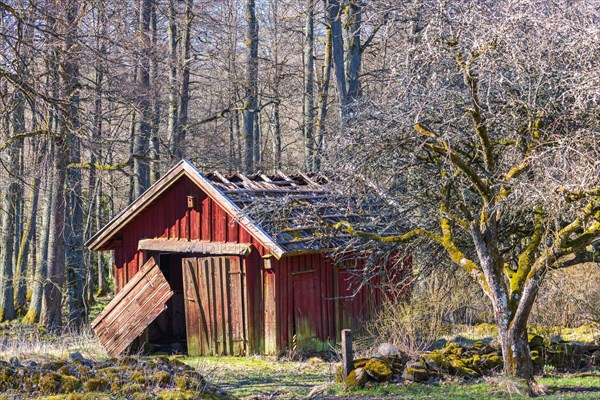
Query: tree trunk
[27, 238]
[516, 355]
[309, 115]
[67, 130]
[337, 53]
[141, 143]
[276, 136]
[51, 313]
[184, 91]
[323, 96]
[154, 67]
[353, 53]
[10, 209]
[41, 272]
[250, 106]
[172, 124]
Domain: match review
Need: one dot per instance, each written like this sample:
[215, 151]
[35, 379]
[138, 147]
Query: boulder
[388, 350]
[415, 374]
[379, 369]
[436, 361]
[535, 341]
[76, 357]
[357, 378]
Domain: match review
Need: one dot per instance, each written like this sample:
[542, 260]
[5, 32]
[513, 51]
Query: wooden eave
[102, 239]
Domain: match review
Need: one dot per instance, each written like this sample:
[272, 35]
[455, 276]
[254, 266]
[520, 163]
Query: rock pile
[466, 361]
[125, 377]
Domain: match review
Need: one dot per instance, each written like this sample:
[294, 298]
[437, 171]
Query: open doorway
[167, 333]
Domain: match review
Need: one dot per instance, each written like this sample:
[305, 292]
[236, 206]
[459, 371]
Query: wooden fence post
[347, 356]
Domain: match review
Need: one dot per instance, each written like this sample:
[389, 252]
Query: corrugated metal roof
[140, 301]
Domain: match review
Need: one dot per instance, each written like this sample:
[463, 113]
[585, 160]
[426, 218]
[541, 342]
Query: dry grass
[27, 342]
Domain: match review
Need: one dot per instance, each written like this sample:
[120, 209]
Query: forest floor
[270, 377]
[261, 377]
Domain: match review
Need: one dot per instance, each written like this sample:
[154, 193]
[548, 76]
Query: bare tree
[484, 140]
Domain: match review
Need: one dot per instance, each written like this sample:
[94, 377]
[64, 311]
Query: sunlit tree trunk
[251, 101]
[141, 142]
[184, 90]
[172, 118]
[309, 108]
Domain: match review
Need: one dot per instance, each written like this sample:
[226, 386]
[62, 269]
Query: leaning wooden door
[214, 290]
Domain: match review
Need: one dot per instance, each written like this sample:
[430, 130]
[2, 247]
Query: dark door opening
[167, 333]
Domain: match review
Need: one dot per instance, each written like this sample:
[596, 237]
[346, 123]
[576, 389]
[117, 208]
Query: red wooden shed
[242, 280]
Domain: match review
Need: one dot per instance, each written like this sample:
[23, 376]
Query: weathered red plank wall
[168, 217]
[315, 300]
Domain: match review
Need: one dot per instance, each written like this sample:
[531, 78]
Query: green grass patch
[261, 375]
[279, 378]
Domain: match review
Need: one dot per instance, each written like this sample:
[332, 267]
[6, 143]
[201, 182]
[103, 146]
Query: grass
[265, 376]
[33, 343]
[277, 378]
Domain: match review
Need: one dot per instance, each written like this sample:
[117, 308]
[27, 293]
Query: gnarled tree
[487, 138]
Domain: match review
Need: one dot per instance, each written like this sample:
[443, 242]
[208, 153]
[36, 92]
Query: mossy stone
[130, 389]
[69, 383]
[50, 383]
[437, 361]
[7, 379]
[416, 374]
[465, 372]
[453, 348]
[161, 378]
[380, 370]
[536, 359]
[535, 341]
[52, 365]
[360, 362]
[136, 377]
[96, 385]
[357, 378]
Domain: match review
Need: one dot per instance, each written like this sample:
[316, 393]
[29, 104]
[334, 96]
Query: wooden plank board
[140, 301]
[194, 246]
[215, 306]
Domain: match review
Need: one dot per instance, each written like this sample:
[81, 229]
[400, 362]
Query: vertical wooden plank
[206, 295]
[238, 313]
[192, 305]
[232, 230]
[290, 297]
[205, 219]
[270, 301]
[194, 215]
[226, 299]
[250, 332]
[219, 224]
